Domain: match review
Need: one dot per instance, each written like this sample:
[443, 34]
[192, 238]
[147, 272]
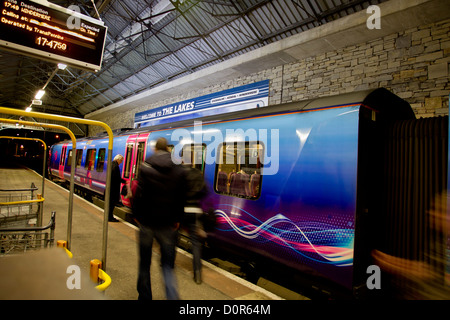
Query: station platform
[122, 252]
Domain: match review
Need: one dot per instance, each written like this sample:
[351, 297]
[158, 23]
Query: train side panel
[54, 159]
[297, 186]
[91, 162]
[304, 214]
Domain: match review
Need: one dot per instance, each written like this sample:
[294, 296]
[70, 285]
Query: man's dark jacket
[161, 191]
[116, 179]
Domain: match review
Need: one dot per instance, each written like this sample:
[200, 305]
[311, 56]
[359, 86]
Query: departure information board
[48, 31]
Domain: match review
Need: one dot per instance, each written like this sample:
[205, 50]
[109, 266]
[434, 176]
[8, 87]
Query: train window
[63, 156]
[78, 157]
[69, 159]
[194, 155]
[238, 169]
[101, 160]
[90, 159]
[128, 156]
[139, 157]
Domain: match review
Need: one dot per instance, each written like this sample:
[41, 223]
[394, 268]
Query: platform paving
[122, 258]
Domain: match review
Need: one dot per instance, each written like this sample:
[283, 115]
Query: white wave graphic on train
[283, 231]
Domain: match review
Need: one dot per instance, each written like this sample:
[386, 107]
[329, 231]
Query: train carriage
[301, 184]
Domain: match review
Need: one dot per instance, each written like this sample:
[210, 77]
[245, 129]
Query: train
[301, 184]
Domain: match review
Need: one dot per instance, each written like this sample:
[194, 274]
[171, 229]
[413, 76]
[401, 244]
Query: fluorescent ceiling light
[62, 66]
[39, 94]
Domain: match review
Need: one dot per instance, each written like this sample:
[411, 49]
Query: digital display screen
[47, 31]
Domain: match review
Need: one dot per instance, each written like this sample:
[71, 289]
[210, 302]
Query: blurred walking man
[158, 207]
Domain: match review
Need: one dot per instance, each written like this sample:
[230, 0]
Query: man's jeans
[167, 238]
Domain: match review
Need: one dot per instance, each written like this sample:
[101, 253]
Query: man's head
[118, 158]
[161, 144]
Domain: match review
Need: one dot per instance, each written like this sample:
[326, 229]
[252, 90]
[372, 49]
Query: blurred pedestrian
[196, 191]
[158, 207]
[427, 278]
[116, 180]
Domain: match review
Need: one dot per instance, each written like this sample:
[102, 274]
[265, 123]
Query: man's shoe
[197, 277]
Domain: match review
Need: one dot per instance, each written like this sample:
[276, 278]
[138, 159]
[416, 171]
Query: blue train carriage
[91, 157]
[297, 183]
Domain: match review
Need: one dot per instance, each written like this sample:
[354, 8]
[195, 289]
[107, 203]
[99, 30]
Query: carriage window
[63, 156]
[194, 155]
[238, 169]
[101, 160]
[128, 155]
[69, 159]
[139, 157]
[90, 159]
[78, 157]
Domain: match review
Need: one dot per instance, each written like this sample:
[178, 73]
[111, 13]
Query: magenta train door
[62, 161]
[134, 155]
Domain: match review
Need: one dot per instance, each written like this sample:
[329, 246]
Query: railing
[26, 193]
[18, 208]
[44, 162]
[19, 240]
[23, 113]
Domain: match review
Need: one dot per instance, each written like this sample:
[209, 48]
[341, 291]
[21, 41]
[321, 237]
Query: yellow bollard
[97, 275]
[94, 270]
[63, 244]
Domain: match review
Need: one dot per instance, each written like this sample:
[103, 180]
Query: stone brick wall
[414, 64]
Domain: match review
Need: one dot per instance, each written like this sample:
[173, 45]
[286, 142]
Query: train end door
[134, 155]
[62, 161]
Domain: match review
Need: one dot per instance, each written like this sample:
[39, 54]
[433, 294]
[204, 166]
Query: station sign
[47, 31]
[255, 95]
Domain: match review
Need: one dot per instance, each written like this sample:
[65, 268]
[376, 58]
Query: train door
[134, 155]
[62, 161]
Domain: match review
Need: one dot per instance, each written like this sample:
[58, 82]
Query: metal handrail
[22, 202]
[43, 163]
[18, 190]
[14, 240]
[11, 192]
[74, 143]
[108, 170]
[50, 225]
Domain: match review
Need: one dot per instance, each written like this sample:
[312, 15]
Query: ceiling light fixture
[39, 94]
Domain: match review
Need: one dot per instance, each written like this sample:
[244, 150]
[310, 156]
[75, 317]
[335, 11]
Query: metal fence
[19, 240]
[20, 207]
